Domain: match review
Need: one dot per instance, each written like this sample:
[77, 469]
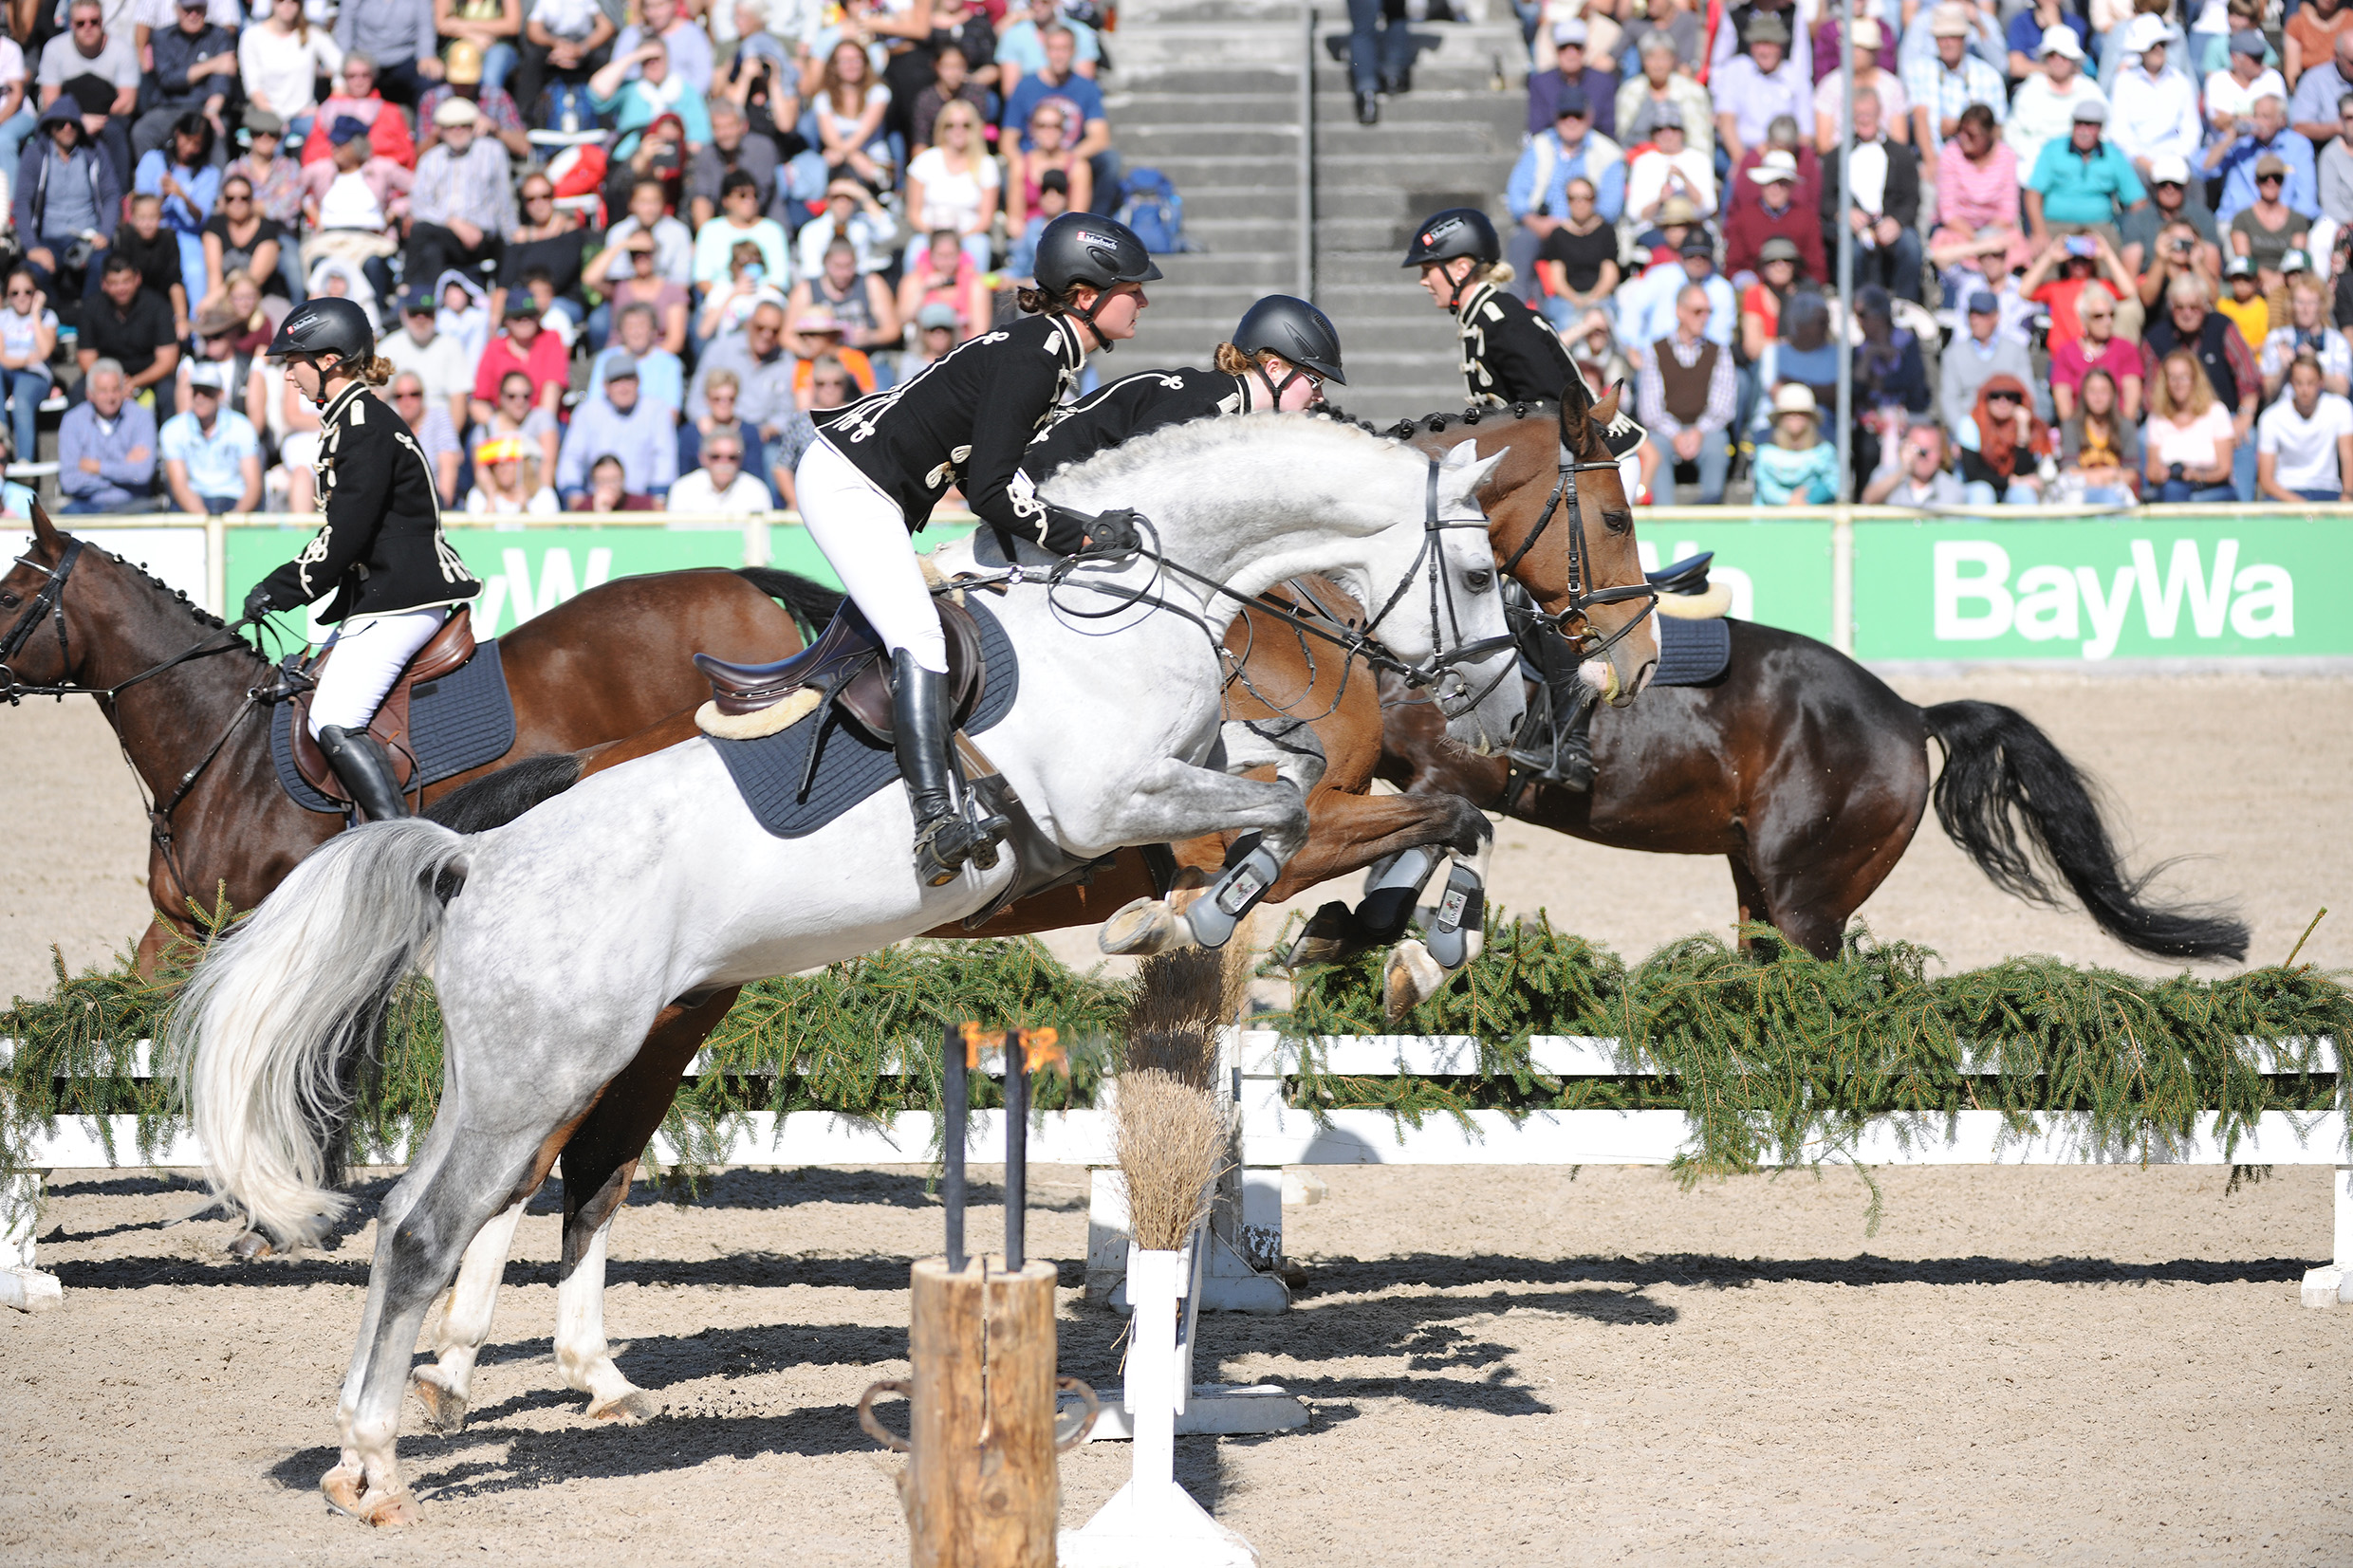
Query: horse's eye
[1618, 522]
[1480, 583]
[8, 601]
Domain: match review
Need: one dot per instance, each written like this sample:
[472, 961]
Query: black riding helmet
[1296, 330]
[1087, 247]
[327, 327]
[1457, 231]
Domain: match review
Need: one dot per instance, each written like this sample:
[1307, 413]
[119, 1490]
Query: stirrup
[946, 843]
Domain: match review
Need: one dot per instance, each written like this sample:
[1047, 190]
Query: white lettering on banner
[2107, 616]
[512, 587]
[1739, 583]
[2209, 601]
[1985, 586]
[2269, 589]
[2047, 604]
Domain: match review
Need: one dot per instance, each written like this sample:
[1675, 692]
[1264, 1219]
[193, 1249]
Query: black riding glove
[1116, 532]
[257, 602]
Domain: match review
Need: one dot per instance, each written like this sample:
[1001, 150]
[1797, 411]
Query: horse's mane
[1197, 438]
[197, 613]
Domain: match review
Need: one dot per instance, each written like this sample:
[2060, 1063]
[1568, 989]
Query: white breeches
[863, 535]
[369, 657]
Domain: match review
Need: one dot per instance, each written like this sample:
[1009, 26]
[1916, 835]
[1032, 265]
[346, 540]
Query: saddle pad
[457, 723]
[1692, 653]
[850, 767]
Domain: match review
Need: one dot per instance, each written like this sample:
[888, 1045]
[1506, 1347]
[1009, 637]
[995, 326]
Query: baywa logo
[1977, 600]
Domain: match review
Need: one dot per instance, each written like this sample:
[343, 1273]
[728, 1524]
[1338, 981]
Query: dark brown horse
[605, 664]
[1809, 776]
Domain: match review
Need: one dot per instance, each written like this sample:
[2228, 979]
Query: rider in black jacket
[880, 465]
[1283, 351]
[1509, 354]
[382, 553]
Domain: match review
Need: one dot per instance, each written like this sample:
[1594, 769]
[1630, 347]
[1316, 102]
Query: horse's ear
[1605, 411]
[44, 535]
[1465, 471]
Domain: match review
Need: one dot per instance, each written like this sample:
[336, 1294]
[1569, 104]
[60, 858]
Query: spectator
[686, 45]
[851, 213]
[2238, 162]
[816, 341]
[462, 312]
[740, 219]
[608, 490]
[956, 184]
[1755, 88]
[1569, 35]
[951, 82]
[440, 363]
[719, 418]
[1890, 380]
[857, 300]
[2083, 184]
[2209, 46]
[732, 148]
[2305, 441]
[1976, 358]
[1797, 467]
[1668, 166]
[2154, 110]
[2247, 310]
[1687, 395]
[1021, 45]
[831, 385]
[760, 79]
[514, 416]
[64, 199]
[1578, 263]
[748, 287]
[2222, 355]
[1761, 302]
[1776, 214]
[2267, 228]
[463, 78]
[720, 485]
[155, 251]
[1941, 85]
[1053, 200]
[399, 38]
[183, 179]
[355, 98]
[1999, 445]
[131, 325]
[849, 105]
[563, 42]
[2311, 35]
[350, 205]
[483, 34]
[1655, 311]
[1802, 352]
[636, 104]
[106, 447]
[2192, 437]
[17, 116]
[1885, 212]
[2064, 270]
[1093, 142]
[1735, 35]
[2098, 447]
[2172, 199]
[95, 72]
[279, 60]
[625, 425]
[524, 347]
[643, 286]
[2028, 32]
[661, 376]
[2231, 93]
[1048, 152]
[216, 343]
[1977, 188]
[238, 239]
[943, 274]
[1676, 22]
[1782, 137]
[462, 204]
[195, 65]
[1380, 53]
[2317, 110]
[934, 335]
[674, 243]
[429, 421]
[507, 481]
[276, 181]
[1537, 193]
[212, 458]
[27, 339]
[550, 239]
[2044, 111]
[1920, 478]
[2104, 346]
[1829, 124]
[1658, 86]
[2176, 254]
[2306, 331]
[763, 372]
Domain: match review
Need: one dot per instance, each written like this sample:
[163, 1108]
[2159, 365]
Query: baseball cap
[419, 302]
[1664, 114]
[1866, 33]
[1767, 28]
[937, 314]
[346, 128]
[2146, 32]
[1572, 101]
[1779, 247]
[519, 302]
[262, 122]
[2090, 111]
[2169, 169]
[619, 364]
[208, 373]
[2239, 266]
[1949, 22]
[2060, 40]
[1570, 30]
[464, 65]
[2295, 261]
[1773, 166]
[1699, 245]
[456, 111]
[1982, 303]
[1794, 398]
[2248, 40]
[2271, 163]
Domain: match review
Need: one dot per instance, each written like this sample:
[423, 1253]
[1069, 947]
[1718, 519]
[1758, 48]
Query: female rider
[880, 466]
[1509, 354]
[1283, 351]
[380, 554]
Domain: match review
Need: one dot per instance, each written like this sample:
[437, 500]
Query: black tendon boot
[360, 760]
[1573, 754]
[944, 837]
[1552, 743]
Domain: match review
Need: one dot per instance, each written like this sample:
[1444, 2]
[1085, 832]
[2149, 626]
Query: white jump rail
[1247, 1238]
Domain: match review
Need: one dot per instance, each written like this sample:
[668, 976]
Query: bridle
[1578, 599]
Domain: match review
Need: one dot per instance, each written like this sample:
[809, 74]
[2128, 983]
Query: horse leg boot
[945, 838]
[361, 762]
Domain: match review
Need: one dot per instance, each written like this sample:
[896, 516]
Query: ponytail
[1499, 273]
[1040, 302]
[1232, 361]
[374, 370]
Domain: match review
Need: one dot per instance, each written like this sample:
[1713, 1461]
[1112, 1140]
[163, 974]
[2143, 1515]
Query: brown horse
[1563, 525]
[1807, 774]
[176, 684]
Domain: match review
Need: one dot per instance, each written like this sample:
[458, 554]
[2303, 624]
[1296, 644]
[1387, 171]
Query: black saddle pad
[850, 767]
[1692, 653]
[460, 722]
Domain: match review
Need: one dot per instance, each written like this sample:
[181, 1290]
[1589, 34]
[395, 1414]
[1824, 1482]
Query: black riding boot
[360, 760]
[1561, 753]
[944, 837]
[1573, 756]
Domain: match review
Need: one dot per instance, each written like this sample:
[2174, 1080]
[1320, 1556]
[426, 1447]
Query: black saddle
[1687, 576]
[846, 665]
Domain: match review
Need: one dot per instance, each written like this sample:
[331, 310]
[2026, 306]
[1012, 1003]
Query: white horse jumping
[555, 940]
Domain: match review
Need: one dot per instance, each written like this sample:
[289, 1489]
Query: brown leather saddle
[846, 666]
[447, 652]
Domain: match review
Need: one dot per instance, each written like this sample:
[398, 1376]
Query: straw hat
[1795, 397]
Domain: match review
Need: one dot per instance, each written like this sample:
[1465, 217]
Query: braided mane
[195, 612]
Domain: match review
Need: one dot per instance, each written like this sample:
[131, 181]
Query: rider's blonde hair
[1234, 363]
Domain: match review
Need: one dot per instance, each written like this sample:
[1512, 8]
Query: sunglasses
[409, 397]
[231, 195]
[722, 457]
[519, 394]
[2270, 179]
[81, 22]
[2001, 396]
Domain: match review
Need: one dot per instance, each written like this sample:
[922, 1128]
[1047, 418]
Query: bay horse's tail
[2000, 771]
[265, 1039]
[811, 603]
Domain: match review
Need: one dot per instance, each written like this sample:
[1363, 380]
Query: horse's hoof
[1143, 928]
[444, 1407]
[249, 1245]
[1410, 978]
[393, 1510]
[630, 1409]
[1324, 940]
[344, 1486]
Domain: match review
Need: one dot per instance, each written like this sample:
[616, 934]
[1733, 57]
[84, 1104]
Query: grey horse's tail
[265, 1039]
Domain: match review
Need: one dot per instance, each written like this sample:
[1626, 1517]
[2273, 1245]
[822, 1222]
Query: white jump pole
[23, 1286]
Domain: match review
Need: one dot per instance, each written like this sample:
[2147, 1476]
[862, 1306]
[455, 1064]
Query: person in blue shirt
[2237, 164]
[1797, 467]
[620, 424]
[2083, 181]
[1537, 193]
[1651, 314]
[212, 458]
[182, 173]
[106, 447]
[1060, 79]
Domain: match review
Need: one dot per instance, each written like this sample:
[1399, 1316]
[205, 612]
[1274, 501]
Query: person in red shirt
[529, 348]
[1776, 214]
[2075, 259]
[355, 95]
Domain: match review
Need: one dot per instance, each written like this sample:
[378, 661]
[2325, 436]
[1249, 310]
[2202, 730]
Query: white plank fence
[1255, 1065]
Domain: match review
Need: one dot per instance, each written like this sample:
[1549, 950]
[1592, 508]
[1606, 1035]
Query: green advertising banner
[2100, 588]
[1778, 571]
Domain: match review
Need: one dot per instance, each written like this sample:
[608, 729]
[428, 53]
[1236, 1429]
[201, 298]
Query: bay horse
[558, 939]
[1557, 511]
[176, 684]
[1810, 775]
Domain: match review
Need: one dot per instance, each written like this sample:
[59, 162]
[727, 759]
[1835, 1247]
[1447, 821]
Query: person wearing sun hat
[1797, 467]
[1775, 213]
[1942, 84]
[2153, 104]
[466, 78]
[2045, 107]
[1895, 109]
[1754, 88]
